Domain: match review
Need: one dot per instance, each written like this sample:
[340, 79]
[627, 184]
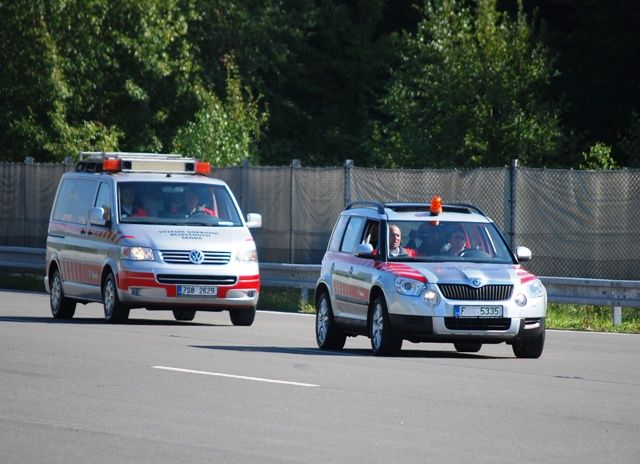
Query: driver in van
[128, 207]
[194, 208]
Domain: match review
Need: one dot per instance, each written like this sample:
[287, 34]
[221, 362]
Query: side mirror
[363, 250]
[523, 254]
[254, 220]
[96, 217]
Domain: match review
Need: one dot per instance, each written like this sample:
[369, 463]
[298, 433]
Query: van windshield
[179, 203]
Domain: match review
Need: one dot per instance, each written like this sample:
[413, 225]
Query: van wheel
[61, 306]
[384, 341]
[530, 348]
[184, 314]
[242, 316]
[328, 334]
[467, 347]
[114, 311]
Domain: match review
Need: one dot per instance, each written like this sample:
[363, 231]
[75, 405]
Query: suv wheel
[114, 311]
[328, 335]
[529, 349]
[242, 316]
[61, 306]
[384, 341]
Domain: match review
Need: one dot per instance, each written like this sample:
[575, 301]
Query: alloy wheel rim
[108, 298]
[56, 290]
[323, 321]
[376, 325]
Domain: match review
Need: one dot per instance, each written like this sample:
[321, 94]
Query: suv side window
[352, 234]
[371, 233]
[338, 232]
[74, 200]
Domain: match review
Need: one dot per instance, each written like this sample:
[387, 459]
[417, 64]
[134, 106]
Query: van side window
[74, 200]
[103, 200]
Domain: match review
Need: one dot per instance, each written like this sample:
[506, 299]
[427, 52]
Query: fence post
[348, 169]
[294, 164]
[617, 315]
[244, 182]
[512, 202]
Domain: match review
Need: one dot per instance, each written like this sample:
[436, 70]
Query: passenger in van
[194, 206]
[395, 238]
[128, 207]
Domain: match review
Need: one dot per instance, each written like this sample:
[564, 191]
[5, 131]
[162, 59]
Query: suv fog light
[521, 299]
[431, 298]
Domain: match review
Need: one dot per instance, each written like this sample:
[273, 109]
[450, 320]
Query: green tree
[224, 132]
[471, 90]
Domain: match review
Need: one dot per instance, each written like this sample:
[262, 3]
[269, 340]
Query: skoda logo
[476, 282]
[196, 256]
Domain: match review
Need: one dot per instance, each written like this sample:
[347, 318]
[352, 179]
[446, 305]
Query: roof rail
[366, 204]
[465, 205]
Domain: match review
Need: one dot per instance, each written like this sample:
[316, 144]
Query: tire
[184, 314]
[114, 311]
[242, 316]
[61, 306]
[531, 349]
[384, 341]
[467, 347]
[328, 335]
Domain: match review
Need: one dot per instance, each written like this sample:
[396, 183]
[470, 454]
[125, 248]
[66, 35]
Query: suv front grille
[498, 323]
[182, 257]
[467, 292]
[185, 279]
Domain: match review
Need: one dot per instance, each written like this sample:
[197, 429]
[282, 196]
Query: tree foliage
[224, 132]
[389, 83]
[470, 91]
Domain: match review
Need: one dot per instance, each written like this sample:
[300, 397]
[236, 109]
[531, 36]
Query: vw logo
[476, 283]
[196, 256]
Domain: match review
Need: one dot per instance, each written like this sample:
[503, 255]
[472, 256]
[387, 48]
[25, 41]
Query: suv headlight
[533, 290]
[409, 287]
[136, 253]
[247, 256]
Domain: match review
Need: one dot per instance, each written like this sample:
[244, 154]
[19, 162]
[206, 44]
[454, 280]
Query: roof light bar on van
[144, 163]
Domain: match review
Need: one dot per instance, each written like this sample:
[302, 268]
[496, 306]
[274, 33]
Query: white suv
[426, 273]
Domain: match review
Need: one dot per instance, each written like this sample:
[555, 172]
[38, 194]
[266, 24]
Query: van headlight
[136, 253]
[247, 256]
[409, 287]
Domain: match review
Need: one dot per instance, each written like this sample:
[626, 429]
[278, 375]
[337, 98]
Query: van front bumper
[142, 289]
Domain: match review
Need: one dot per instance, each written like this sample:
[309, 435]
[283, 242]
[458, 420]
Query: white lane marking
[242, 377]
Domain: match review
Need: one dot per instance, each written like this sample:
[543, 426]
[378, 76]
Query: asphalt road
[160, 391]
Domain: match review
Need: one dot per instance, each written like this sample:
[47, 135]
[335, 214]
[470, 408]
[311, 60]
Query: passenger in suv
[469, 292]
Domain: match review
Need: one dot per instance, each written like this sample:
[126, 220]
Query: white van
[140, 230]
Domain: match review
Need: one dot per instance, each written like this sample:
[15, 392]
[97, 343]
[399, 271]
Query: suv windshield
[447, 241]
[176, 203]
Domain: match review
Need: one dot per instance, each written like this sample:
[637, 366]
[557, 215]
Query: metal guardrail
[565, 290]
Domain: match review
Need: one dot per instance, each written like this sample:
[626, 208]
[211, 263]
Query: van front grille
[182, 257]
[467, 292]
[186, 279]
